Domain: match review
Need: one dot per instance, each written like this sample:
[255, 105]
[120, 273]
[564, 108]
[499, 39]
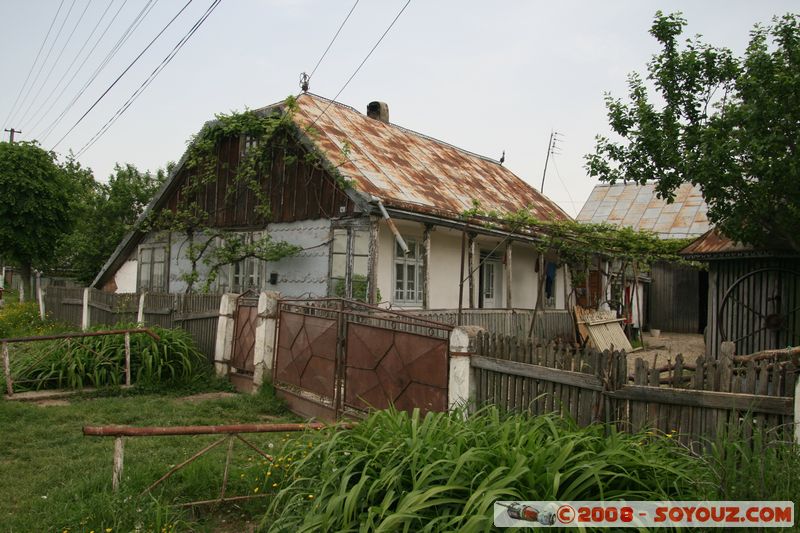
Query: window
[246, 274]
[408, 273]
[350, 242]
[153, 268]
[247, 143]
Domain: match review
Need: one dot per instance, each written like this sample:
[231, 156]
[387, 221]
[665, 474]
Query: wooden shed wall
[296, 189]
[675, 298]
[742, 322]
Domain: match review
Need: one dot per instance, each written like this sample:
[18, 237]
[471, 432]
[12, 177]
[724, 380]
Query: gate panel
[244, 337]
[306, 354]
[385, 367]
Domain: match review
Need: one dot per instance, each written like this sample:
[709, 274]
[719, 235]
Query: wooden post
[509, 278]
[7, 370]
[119, 458]
[426, 266]
[372, 275]
[128, 359]
[471, 267]
[85, 314]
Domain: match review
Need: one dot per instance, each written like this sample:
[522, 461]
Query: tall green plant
[443, 472]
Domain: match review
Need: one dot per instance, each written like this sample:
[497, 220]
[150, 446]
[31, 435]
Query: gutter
[390, 222]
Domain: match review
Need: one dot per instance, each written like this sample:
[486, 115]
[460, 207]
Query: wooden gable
[297, 190]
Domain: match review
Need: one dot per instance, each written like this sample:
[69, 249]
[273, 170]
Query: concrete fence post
[797, 412]
[40, 295]
[461, 386]
[140, 312]
[224, 344]
[266, 330]
[85, 314]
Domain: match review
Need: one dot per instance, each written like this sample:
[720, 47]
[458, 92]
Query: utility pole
[11, 133]
[552, 149]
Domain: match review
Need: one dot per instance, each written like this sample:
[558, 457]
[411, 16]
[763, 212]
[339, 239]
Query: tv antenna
[552, 149]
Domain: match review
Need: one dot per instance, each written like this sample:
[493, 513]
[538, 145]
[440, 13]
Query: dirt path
[667, 346]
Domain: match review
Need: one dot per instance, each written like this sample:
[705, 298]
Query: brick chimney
[378, 111]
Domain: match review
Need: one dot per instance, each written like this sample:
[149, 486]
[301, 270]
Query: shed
[753, 294]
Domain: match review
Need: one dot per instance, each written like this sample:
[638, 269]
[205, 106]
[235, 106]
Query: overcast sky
[486, 76]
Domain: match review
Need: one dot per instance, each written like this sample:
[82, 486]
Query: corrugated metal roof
[715, 243]
[638, 207]
[408, 170]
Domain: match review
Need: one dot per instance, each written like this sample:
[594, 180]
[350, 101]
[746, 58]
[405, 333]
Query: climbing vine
[580, 246]
[260, 133]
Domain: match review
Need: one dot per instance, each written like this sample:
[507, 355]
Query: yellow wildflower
[255, 489]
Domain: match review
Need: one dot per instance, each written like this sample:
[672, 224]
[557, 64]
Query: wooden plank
[781, 405]
[563, 377]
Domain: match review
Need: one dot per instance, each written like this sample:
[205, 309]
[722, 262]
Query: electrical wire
[558, 174]
[47, 56]
[353, 75]
[33, 65]
[56, 62]
[332, 40]
[129, 31]
[49, 97]
[167, 59]
[146, 48]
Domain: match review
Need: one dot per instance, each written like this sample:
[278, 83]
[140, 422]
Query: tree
[729, 125]
[36, 206]
[105, 213]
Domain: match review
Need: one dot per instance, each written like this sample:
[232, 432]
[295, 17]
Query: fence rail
[550, 324]
[694, 401]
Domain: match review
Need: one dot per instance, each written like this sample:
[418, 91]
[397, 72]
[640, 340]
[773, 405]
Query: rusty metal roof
[712, 243]
[411, 171]
[638, 207]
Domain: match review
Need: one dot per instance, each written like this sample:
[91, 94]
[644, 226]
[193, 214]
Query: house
[753, 294]
[406, 190]
[671, 297]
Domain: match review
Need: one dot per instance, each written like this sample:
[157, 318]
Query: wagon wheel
[765, 302]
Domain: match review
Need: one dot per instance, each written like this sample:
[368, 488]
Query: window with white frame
[350, 243]
[408, 273]
[247, 273]
[152, 265]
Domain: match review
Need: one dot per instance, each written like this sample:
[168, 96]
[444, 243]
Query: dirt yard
[667, 346]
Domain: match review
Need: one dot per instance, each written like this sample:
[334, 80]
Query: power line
[123, 73]
[33, 65]
[361, 64]
[56, 62]
[167, 59]
[334, 39]
[47, 55]
[132, 27]
[49, 98]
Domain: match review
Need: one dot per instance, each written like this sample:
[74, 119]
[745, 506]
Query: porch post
[426, 266]
[509, 278]
[372, 275]
[471, 267]
[460, 385]
[266, 330]
[224, 343]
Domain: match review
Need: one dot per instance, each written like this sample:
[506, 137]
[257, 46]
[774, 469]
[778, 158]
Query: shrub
[443, 472]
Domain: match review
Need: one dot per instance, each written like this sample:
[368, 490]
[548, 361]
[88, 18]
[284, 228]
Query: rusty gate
[335, 356]
[245, 320]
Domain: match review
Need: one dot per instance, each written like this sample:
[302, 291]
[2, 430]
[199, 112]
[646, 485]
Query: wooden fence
[196, 313]
[550, 324]
[693, 401]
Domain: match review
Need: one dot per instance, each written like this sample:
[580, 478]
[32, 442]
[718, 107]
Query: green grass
[53, 478]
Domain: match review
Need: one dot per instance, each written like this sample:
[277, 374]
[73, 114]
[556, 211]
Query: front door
[490, 284]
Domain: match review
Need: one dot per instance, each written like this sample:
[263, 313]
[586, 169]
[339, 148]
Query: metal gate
[335, 356]
[245, 320]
